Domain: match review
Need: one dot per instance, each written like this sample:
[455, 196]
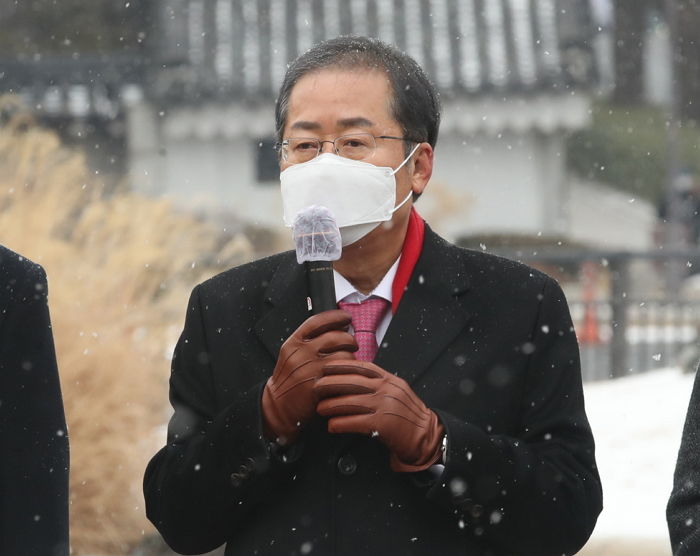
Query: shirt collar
[345, 291]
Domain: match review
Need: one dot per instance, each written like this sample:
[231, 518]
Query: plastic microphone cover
[316, 235]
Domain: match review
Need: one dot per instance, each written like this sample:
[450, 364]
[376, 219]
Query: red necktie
[366, 316]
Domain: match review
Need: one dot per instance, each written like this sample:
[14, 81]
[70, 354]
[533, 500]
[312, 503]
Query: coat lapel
[285, 303]
[431, 313]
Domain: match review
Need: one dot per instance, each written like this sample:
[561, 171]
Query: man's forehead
[344, 97]
[348, 84]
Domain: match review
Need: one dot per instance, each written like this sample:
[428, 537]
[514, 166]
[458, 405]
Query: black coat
[33, 436]
[485, 342]
[683, 510]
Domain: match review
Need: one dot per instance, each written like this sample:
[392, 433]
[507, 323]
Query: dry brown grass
[120, 268]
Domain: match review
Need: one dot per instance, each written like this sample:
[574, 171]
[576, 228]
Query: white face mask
[360, 195]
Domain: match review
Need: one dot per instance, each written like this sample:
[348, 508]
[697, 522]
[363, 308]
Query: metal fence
[657, 334]
[628, 326]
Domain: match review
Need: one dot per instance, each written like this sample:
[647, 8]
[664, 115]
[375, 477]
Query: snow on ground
[637, 422]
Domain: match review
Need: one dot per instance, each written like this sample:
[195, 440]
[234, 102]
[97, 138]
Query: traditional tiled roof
[222, 48]
[74, 86]
[238, 50]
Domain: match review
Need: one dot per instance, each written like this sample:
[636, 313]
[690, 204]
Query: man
[683, 509]
[451, 422]
[33, 435]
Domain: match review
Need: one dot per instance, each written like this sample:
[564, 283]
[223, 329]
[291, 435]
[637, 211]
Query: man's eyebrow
[344, 123]
[358, 121]
[303, 124]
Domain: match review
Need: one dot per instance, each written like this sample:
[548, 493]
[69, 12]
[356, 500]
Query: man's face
[333, 102]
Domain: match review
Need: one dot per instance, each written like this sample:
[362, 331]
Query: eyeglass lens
[356, 146]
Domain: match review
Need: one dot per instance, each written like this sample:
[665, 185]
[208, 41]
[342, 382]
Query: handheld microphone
[318, 244]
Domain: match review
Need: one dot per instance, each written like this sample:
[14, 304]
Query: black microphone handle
[321, 286]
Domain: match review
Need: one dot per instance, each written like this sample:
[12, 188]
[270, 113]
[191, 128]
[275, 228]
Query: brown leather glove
[288, 400]
[360, 397]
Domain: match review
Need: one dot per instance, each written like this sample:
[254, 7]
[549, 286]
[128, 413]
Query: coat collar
[430, 315]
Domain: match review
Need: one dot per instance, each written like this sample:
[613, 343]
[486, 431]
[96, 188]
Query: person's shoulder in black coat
[33, 435]
[683, 510]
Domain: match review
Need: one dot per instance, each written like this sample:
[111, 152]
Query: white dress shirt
[345, 291]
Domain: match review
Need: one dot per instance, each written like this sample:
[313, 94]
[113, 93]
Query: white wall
[609, 219]
[144, 144]
[204, 160]
[507, 183]
[219, 175]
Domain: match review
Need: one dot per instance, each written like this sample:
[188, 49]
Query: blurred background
[136, 159]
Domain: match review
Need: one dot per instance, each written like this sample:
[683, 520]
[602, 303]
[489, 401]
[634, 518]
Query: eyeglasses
[357, 146]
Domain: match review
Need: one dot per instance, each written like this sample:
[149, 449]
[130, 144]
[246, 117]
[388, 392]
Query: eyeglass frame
[278, 146]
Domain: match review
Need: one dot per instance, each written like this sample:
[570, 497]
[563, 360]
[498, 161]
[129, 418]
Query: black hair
[415, 103]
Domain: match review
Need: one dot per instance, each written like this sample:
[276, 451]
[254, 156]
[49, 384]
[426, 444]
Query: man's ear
[422, 168]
